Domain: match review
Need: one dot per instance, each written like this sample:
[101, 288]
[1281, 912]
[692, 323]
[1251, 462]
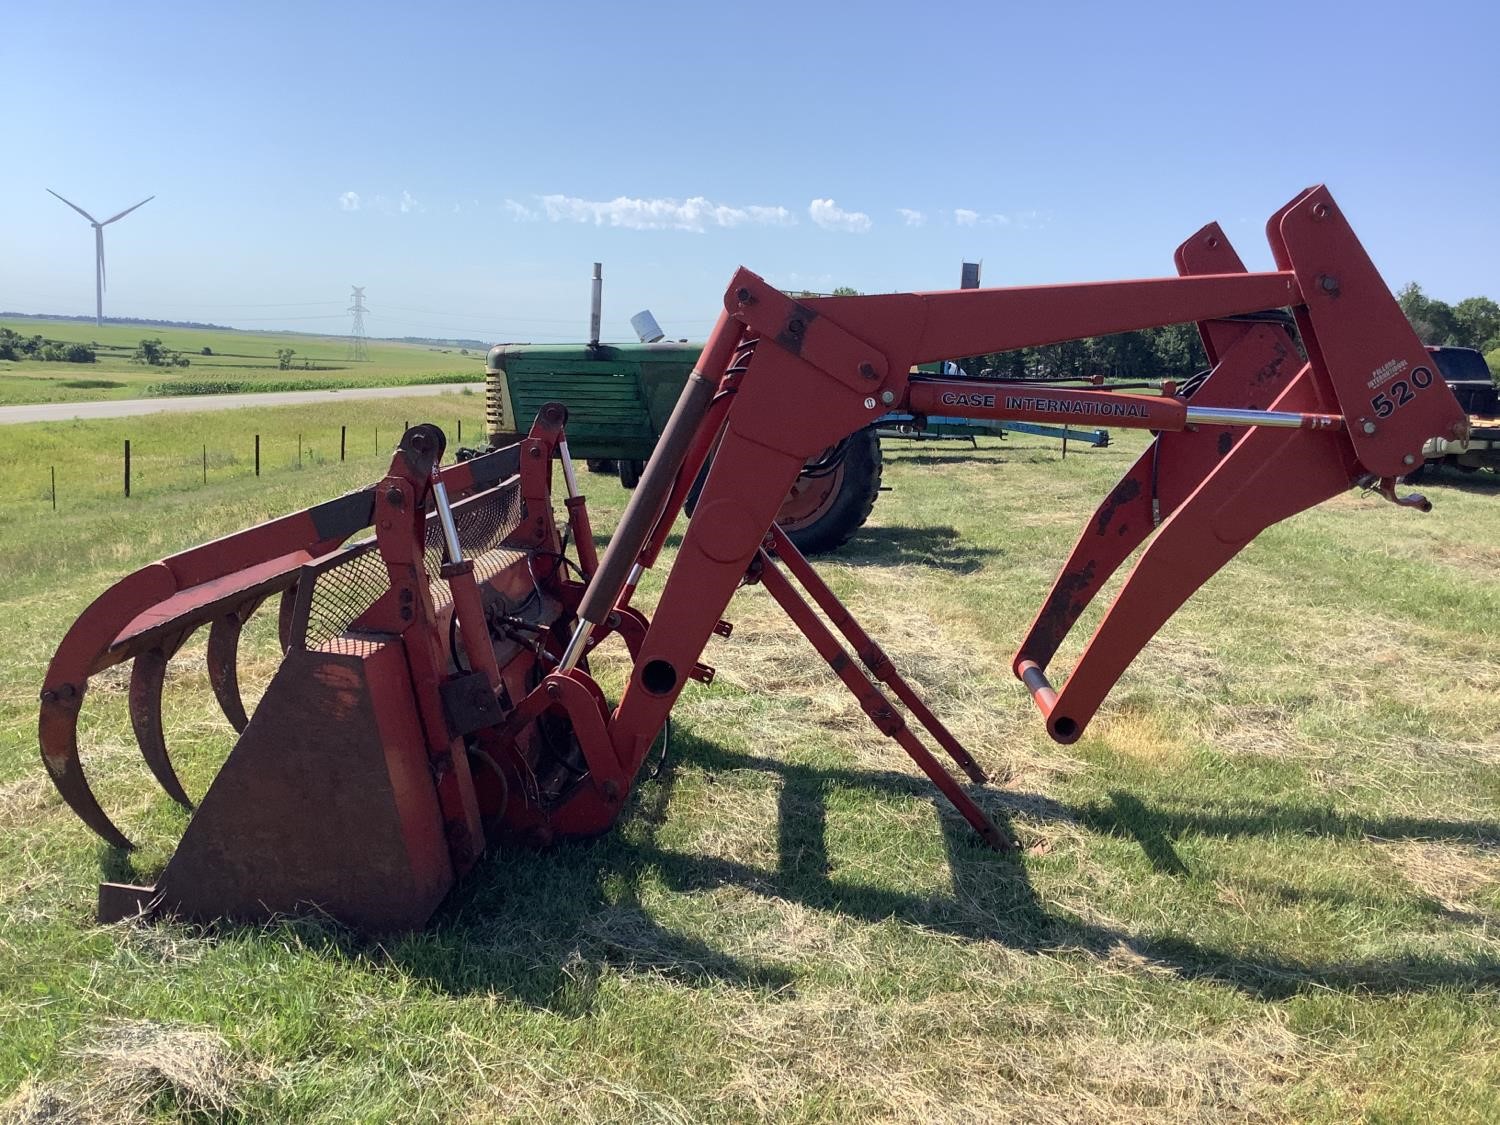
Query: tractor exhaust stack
[596, 304]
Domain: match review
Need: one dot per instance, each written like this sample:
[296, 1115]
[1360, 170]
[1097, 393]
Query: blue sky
[466, 164]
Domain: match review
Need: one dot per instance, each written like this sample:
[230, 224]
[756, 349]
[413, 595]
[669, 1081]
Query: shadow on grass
[938, 547]
[543, 928]
[1479, 482]
[958, 455]
[997, 454]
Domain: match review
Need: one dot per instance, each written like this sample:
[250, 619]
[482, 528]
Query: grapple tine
[147, 675]
[223, 663]
[59, 740]
[85, 650]
[168, 599]
[285, 614]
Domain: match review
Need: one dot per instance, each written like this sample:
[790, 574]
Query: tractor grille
[333, 593]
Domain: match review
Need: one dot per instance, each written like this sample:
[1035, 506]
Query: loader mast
[821, 368]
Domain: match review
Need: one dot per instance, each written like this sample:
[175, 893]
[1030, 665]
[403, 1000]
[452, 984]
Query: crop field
[239, 362]
[1265, 886]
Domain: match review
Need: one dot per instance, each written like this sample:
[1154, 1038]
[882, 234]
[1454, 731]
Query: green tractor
[619, 397]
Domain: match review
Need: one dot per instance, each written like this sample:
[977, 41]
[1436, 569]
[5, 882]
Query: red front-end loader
[435, 702]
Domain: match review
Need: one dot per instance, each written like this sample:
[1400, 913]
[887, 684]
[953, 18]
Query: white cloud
[830, 216]
[913, 218]
[695, 214]
[349, 201]
[408, 204]
[519, 211]
[1026, 220]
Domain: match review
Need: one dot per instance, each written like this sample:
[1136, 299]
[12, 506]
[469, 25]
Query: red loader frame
[1268, 434]
[1272, 430]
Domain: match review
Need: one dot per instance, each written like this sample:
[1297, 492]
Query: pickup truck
[1466, 372]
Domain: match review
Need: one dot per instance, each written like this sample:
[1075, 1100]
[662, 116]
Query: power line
[265, 305]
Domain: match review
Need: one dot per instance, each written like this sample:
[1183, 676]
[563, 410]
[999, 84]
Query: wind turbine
[99, 248]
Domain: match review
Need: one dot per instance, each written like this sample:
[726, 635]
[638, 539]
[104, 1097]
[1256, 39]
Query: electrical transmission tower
[357, 330]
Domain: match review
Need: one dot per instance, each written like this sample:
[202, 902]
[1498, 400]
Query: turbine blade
[127, 211]
[75, 207]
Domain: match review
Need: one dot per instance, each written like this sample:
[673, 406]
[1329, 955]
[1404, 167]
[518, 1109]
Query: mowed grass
[1264, 886]
[241, 362]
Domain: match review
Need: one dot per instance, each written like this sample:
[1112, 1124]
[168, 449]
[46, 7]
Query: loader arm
[1272, 436]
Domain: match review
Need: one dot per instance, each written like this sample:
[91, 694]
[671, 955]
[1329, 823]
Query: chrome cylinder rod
[445, 518]
[567, 466]
[577, 643]
[1278, 419]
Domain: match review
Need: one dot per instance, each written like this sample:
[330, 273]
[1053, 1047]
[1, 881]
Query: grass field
[1264, 887]
[167, 451]
[241, 362]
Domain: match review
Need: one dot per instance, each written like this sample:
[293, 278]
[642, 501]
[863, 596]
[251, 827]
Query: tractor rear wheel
[831, 499]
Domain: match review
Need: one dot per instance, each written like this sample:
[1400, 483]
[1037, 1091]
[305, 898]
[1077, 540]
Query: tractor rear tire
[833, 497]
[630, 472]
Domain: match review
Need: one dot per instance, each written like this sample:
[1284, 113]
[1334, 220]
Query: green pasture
[1265, 886]
[240, 362]
[182, 452]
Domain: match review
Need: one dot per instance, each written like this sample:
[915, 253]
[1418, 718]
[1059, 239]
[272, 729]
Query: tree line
[17, 347]
[1472, 323]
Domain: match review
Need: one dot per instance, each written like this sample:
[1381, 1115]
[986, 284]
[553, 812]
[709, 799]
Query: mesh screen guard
[333, 592]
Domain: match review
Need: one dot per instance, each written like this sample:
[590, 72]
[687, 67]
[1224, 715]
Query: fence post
[205, 464]
[460, 431]
[127, 468]
[54, 488]
[299, 451]
[343, 434]
[257, 455]
[1065, 443]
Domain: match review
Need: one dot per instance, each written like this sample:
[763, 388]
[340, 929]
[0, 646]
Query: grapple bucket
[349, 786]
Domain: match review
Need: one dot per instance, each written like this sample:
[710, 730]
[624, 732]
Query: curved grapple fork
[286, 613]
[147, 675]
[80, 654]
[146, 617]
[223, 661]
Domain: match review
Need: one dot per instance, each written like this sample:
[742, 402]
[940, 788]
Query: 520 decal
[1399, 393]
